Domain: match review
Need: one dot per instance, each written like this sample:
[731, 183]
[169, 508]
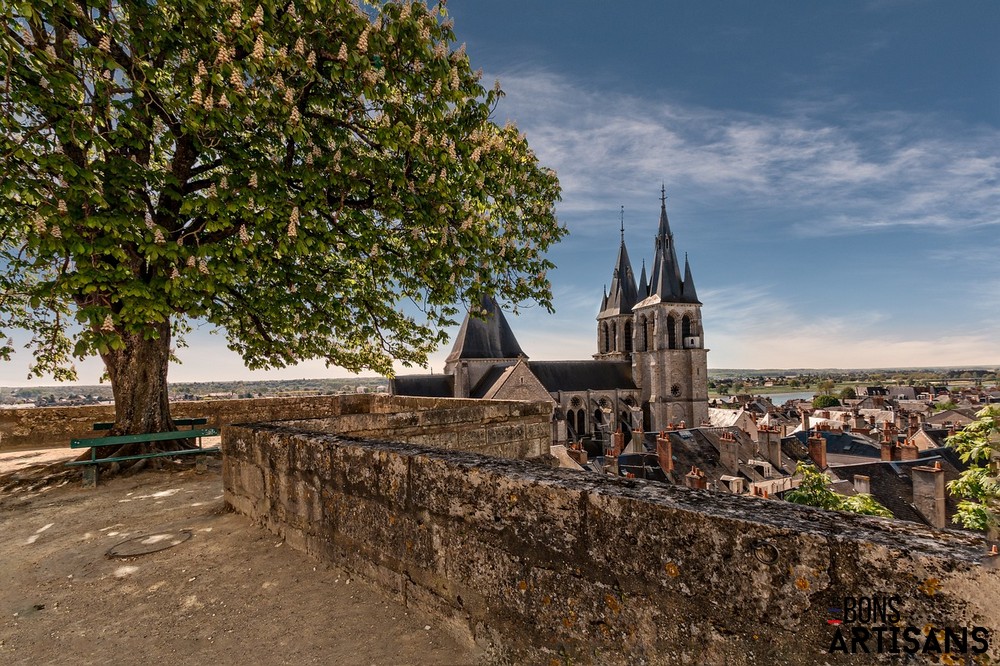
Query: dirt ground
[230, 593]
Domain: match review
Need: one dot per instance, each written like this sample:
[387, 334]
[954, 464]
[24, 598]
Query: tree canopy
[814, 491]
[824, 401]
[318, 179]
[978, 444]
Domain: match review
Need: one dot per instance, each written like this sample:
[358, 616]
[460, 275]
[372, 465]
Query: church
[650, 369]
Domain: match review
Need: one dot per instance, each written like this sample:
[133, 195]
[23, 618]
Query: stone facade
[650, 369]
[549, 566]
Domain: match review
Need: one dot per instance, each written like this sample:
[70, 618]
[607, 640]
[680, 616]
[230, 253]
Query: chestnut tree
[318, 179]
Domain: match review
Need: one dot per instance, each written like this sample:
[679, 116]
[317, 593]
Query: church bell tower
[669, 359]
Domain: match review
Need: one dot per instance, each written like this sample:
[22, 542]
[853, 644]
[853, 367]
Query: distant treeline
[242, 389]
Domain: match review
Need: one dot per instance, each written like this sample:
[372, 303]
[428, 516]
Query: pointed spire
[689, 293]
[666, 278]
[643, 285]
[489, 337]
[623, 293]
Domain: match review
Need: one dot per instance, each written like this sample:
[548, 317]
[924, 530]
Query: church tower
[615, 326]
[669, 359]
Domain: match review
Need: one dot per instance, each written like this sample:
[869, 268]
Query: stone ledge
[546, 561]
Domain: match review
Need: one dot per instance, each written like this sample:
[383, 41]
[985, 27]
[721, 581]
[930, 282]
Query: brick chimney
[817, 450]
[769, 441]
[665, 452]
[908, 451]
[617, 442]
[728, 452]
[863, 484]
[696, 479]
[805, 419]
[913, 426]
[928, 493]
[889, 451]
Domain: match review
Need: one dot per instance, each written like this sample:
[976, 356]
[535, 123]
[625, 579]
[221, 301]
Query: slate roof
[489, 380]
[623, 294]
[489, 338]
[424, 386]
[583, 375]
[892, 485]
[844, 443]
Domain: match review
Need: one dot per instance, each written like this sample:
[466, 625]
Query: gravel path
[230, 593]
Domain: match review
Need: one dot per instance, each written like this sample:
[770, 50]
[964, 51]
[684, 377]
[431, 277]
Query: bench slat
[212, 449]
[178, 422]
[140, 439]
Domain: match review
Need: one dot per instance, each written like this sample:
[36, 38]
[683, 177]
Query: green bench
[90, 466]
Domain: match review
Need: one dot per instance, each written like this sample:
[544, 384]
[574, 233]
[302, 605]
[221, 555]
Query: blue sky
[833, 172]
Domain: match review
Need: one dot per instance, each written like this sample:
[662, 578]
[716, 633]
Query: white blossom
[300, 46]
[203, 266]
[56, 232]
[105, 43]
[258, 48]
[108, 325]
[253, 180]
[223, 101]
[293, 223]
[158, 237]
[62, 206]
[258, 16]
[174, 274]
[311, 59]
[244, 236]
[342, 54]
[363, 42]
[191, 261]
[294, 117]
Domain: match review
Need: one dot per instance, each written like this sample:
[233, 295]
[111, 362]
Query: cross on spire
[663, 194]
[623, 223]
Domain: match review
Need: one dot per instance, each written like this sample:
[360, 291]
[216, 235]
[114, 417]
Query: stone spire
[665, 280]
[643, 283]
[623, 294]
[687, 289]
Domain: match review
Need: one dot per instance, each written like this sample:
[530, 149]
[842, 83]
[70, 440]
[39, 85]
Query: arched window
[605, 338]
[686, 327]
[614, 336]
[598, 417]
[628, 337]
[581, 422]
[643, 340]
[671, 333]
[650, 334]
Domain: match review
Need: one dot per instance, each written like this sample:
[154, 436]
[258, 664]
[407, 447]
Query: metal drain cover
[148, 543]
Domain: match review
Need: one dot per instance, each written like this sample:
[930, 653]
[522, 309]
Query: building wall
[549, 565]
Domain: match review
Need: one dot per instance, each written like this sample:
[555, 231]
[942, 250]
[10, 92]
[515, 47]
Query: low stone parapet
[553, 566]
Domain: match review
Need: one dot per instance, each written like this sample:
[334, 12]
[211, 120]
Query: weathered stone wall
[510, 429]
[553, 567]
[497, 428]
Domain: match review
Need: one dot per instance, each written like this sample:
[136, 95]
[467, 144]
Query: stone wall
[550, 566]
[511, 429]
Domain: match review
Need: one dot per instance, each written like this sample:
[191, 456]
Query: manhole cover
[148, 543]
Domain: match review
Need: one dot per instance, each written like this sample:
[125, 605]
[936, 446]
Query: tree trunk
[138, 375]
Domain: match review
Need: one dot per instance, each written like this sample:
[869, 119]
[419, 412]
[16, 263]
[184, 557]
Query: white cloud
[752, 328]
[868, 171]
